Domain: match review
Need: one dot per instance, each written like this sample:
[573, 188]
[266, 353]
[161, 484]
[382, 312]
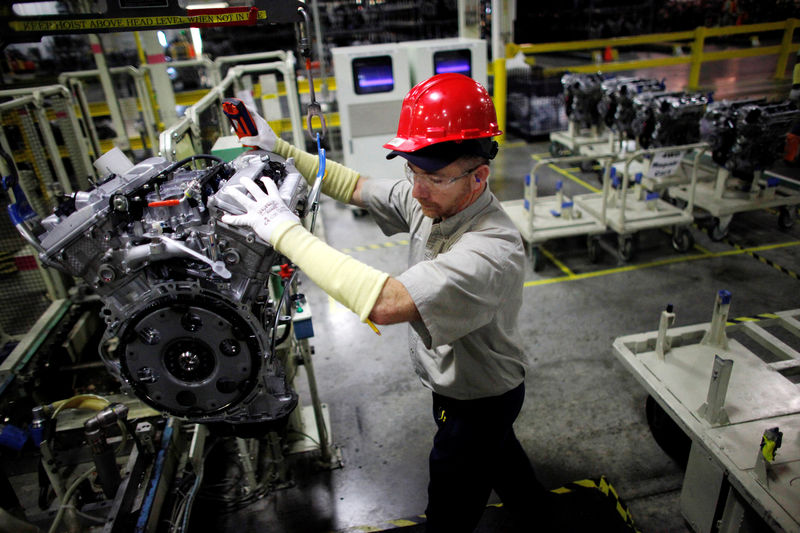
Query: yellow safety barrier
[696, 58]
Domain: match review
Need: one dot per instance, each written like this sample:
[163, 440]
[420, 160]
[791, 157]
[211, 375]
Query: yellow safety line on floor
[702, 250]
[566, 173]
[573, 177]
[762, 316]
[662, 262]
[556, 262]
[769, 262]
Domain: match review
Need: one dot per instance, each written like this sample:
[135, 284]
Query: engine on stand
[668, 119]
[190, 327]
[582, 93]
[616, 107]
[747, 135]
[195, 320]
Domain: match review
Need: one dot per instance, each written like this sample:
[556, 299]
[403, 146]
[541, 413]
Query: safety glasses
[434, 181]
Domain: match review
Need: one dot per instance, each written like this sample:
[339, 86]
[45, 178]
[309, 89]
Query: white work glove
[265, 213]
[265, 139]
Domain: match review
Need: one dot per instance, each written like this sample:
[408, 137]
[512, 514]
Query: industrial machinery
[729, 392]
[718, 126]
[193, 313]
[746, 137]
[586, 133]
[668, 118]
[582, 93]
[180, 337]
[616, 106]
[189, 326]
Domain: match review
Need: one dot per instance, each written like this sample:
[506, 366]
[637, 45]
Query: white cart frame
[726, 470]
[626, 213]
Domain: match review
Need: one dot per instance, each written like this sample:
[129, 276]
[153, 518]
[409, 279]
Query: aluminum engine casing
[188, 317]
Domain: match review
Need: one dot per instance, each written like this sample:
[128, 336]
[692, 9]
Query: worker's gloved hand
[265, 213]
[265, 139]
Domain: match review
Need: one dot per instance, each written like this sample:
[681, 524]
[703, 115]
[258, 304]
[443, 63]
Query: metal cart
[740, 409]
[540, 219]
[576, 140]
[627, 211]
[726, 195]
[679, 175]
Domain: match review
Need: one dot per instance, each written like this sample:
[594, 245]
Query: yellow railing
[696, 57]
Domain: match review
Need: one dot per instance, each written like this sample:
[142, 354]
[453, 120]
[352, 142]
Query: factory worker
[461, 294]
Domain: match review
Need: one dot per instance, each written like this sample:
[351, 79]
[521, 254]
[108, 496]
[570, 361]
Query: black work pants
[474, 451]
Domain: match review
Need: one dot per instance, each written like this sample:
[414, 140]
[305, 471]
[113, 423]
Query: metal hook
[314, 109]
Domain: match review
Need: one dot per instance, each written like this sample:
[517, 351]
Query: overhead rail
[697, 56]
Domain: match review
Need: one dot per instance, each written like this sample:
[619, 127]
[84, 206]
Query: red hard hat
[445, 107]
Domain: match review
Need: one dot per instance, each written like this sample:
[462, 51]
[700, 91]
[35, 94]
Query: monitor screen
[373, 75]
[458, 61]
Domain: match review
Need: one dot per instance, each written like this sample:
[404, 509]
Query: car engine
[616, 106]
[582, 93]
[191, 320]
[747, 135]
[668, 119]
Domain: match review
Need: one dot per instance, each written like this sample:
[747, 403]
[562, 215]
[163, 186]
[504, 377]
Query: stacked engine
[668, 119]
[190, 326]
[582, 93]
[616, 107]
[747, 135]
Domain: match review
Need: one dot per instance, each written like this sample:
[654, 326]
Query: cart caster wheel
[593, 249]
[556, 150]
[718, 232]
[587, 166]
[625, 247]
[786, 217]
[682, 240]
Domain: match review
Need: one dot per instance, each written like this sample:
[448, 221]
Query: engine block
[190, 325]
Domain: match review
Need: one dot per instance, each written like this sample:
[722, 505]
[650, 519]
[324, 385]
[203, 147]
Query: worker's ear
[480, 176]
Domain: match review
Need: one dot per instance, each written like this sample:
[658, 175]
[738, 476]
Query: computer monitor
[373, 75]
[458, 61]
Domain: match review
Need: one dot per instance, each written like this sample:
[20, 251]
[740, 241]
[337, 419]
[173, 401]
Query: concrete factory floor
[584, 415]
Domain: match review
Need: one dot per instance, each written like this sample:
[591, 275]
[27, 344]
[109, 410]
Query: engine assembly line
[227, 305]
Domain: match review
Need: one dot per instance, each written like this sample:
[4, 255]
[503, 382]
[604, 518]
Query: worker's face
[447, 191]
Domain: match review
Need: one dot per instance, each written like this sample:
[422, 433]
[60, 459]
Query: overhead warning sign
[240, 18]
[134, 15]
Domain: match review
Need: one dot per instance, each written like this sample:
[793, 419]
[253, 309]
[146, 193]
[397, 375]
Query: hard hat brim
[437, 156]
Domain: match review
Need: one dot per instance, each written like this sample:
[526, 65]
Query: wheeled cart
[680, 174]
[576, 141]
[540, 219]
[732, 390]
[628, 210]
[726, 195]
